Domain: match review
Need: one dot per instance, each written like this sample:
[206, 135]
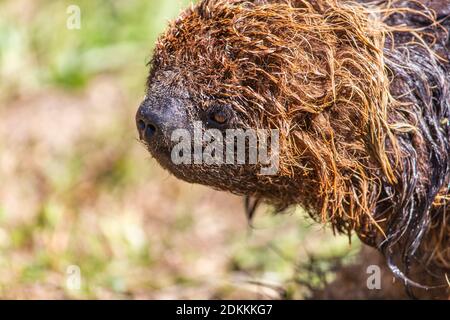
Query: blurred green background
[78, 189]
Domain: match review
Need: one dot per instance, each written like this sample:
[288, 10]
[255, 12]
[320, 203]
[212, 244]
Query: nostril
[141, 125]
[149, 131]
[146, 129]
[146, 124]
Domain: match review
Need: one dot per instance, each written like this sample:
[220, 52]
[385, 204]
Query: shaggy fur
[360, 94]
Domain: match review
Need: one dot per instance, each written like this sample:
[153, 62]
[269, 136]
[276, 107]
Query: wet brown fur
[360, 94]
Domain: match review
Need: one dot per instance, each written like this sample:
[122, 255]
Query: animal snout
[157, 118]
[146, 124]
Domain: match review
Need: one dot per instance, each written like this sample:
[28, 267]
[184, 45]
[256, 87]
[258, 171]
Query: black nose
[145, 125]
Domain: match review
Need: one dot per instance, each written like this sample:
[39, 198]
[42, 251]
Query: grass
[78, 189]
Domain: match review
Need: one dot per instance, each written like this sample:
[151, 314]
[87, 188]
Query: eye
[218, 117]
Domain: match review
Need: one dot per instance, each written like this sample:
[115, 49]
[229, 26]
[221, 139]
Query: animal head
[351, 109]
[309, 69]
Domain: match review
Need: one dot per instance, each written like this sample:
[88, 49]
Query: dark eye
[218, 117]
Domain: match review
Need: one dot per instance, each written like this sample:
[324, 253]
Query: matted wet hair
[360, 94]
